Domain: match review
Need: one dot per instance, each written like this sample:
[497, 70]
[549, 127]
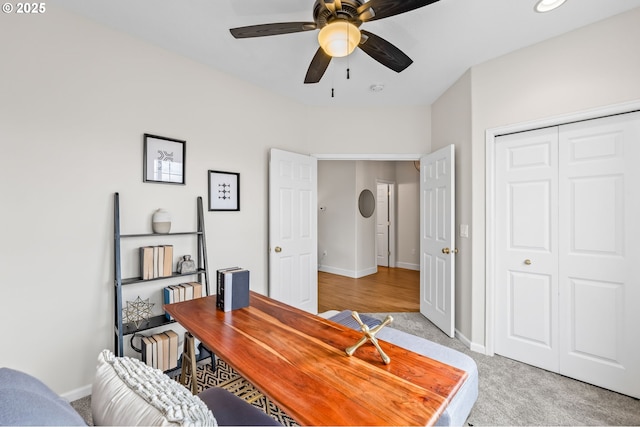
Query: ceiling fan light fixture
[339, 38]
[547, 5]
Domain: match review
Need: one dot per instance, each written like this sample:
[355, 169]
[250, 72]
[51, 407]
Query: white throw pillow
[126, 391]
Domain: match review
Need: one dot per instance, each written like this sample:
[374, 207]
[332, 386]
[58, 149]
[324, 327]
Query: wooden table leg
[189, 363]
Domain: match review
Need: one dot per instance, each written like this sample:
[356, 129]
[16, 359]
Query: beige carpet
[513, 393]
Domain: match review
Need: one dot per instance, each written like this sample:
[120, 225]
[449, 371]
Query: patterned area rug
[225, 377]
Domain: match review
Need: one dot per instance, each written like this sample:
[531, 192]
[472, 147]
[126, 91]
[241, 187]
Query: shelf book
[232, 288]
[156, 261]
[181, 292]
[161, 350]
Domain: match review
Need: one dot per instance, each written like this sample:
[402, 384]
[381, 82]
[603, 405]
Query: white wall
[366, 175]
[591, 67]
[396, 130]
[336, 230]
[407, 215]
[451, 118]
[75, 99]
[595, 66]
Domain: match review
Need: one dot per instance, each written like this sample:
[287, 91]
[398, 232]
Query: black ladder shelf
[123, 329]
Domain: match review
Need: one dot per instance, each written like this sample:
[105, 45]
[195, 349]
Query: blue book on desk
[236, 290]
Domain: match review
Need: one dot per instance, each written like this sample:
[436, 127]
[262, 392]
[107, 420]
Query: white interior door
[437, 238]
[600, 253]
[382, 225]
[526, 247]
[293, 224]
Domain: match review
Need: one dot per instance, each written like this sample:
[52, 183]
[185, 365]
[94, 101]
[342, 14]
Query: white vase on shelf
[161, 222]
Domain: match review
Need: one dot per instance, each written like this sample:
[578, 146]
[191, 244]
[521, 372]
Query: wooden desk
[297, 360]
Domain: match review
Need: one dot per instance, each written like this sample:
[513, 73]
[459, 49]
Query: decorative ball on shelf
[161, 221]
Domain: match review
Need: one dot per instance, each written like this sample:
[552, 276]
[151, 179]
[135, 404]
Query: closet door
[526, 247]
[600, 252]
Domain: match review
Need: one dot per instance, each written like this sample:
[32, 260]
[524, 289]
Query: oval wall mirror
[366, 203]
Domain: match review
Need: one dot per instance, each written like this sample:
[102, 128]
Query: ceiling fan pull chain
[332, 92]
[348, 74]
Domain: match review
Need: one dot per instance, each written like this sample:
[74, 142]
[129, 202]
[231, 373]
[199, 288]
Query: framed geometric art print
[224, 191]
[164, 159]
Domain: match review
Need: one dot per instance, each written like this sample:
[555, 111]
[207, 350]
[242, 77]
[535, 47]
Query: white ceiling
[443, 39]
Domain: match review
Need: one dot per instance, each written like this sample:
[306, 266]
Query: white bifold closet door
[568, 250]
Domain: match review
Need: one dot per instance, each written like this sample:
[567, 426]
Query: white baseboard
[347, 273]
[469, 344]
[408, 266]
[463, 339]
[478, 348]
[338, 271]
[76, 394]
[355, 274]
[366, 272]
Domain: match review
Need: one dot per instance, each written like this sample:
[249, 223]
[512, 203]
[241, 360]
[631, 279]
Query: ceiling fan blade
[386, 8]
[272, 29]
[384, 52]
[318, 66]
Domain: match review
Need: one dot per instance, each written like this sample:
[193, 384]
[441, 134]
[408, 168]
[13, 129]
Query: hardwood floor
[389, 290]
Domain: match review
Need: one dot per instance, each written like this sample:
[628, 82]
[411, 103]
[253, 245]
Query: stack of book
[181, 292]
[156, 261]
[232, 288]
[161, 350]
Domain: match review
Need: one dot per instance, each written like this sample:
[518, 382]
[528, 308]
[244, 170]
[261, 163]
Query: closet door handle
[527, 262]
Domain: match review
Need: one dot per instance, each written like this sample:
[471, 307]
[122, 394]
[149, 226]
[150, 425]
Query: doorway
[389, 290]
[349, 245]
[385, 224]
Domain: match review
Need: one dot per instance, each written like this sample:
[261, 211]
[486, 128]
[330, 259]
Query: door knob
[446, 250]
[527, 261]
[455, 250]
[278, 249]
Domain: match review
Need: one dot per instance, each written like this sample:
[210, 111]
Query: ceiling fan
[339, 23]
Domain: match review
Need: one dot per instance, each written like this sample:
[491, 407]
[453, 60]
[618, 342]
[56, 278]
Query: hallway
[389, 290]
